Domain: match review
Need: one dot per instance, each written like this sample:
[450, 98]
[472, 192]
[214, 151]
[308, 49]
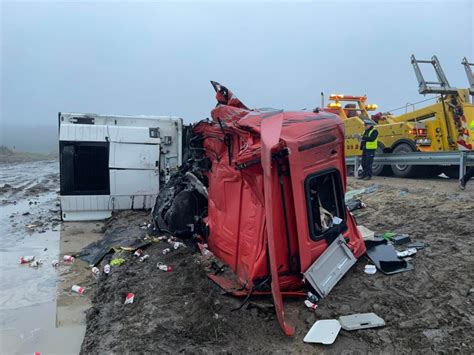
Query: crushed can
[138, 253]
[310, 305]
[36, 263]
[166, 251]
[68, 258]
[26, 259]
[55, 263]
[163, 267]
[177, 245]
[144, 257]
[312, 297]
[95, 271]
[129, 299]
[107, 269]
[78, 289]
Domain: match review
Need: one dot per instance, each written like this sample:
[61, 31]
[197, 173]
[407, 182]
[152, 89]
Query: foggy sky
[158, 58]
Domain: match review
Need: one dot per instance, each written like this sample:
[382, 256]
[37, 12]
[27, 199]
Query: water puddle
[38, 311]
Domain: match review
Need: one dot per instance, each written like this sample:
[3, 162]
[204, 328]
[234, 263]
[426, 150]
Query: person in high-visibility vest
[368, 146]
[470, 172]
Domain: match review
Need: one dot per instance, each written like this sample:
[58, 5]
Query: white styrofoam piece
[361, 321]
[323, 331]
[133, 156]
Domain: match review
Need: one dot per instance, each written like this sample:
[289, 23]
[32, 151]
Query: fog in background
[158, 58]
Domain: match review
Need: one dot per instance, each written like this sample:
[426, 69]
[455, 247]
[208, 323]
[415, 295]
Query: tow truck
[442, 126]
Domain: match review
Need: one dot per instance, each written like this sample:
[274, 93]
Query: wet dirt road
[37, 310]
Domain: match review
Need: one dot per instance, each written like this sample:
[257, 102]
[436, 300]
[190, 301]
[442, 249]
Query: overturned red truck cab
[275, 184]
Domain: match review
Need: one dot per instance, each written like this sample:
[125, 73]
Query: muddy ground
[426, 310]
[38, 311]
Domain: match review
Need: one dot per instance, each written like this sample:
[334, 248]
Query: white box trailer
[111, 162]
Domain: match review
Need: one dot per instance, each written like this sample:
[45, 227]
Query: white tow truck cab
[110, 162]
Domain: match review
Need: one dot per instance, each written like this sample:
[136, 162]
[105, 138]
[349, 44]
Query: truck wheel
[401, 170]
[379, 169]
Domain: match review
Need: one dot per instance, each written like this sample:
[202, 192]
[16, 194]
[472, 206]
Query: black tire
[405, 171]
[378, 170]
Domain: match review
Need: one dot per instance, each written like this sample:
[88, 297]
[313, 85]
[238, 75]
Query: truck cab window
[325, 204]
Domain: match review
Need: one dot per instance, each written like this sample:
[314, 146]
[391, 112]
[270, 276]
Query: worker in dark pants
[470, 172]
[368, 146]
[467, 176]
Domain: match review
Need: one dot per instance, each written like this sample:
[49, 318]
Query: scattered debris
[400, 239]
[166, 251]
[144, 257]
[36, 263]
[355, 204]
[107, 269]
[203, 248]
[404, 192]
[361, 321]
[95, 271]
[367, 234]
[129, 298]
[117, 261]
[138, 253]
[177, 245]
[55, 263]
[310, 305]
[78, 289]
[388, 235]
[330, 267]
[68, 258]
[164, 267]
[125, 237]
[26, 259]
[323, 331]
[370, 269]
[384, 256]
[312, 297]
[406, 253]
